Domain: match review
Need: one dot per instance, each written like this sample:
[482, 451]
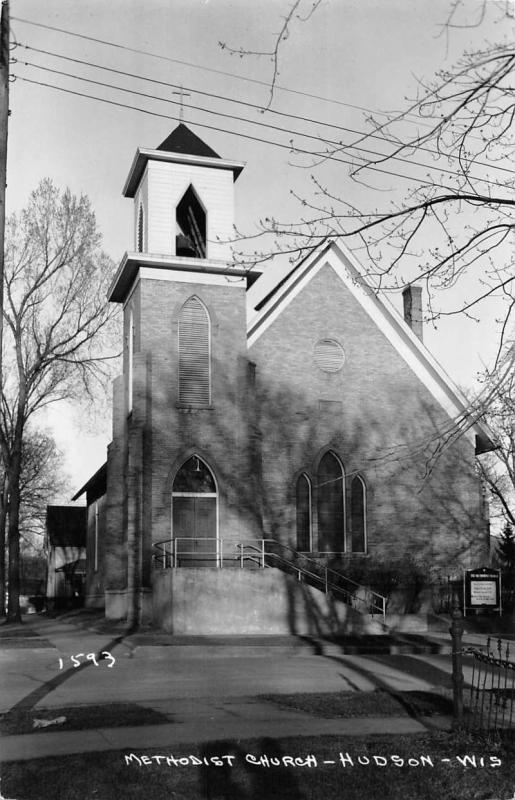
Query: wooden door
[194, 525]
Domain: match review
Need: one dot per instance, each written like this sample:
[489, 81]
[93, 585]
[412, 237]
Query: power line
[210, 69]
[290, 148]
[254, 122]
[278, 113]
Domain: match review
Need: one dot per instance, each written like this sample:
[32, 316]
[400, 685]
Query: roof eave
[131, 262]
[144, 155]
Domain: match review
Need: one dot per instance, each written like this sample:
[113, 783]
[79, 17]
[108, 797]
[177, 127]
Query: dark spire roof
[182, 140]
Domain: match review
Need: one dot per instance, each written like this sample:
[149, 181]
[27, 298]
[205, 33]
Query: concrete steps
[169, 645]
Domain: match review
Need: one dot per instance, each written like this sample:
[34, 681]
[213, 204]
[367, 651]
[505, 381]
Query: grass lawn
[107, 776]
[366, 704]
[109, 715]
[334, 704]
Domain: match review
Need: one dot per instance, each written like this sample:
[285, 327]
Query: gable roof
[385, 316]
[183, 140]
[182, 146]
[95, 487]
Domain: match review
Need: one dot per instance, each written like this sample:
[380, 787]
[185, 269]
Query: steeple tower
[183, 206]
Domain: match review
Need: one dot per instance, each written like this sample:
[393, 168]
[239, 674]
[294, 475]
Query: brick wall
[171, 433]
[386, 428]
[95, 577]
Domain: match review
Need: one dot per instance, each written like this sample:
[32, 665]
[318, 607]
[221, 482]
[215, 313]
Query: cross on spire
[182, 94]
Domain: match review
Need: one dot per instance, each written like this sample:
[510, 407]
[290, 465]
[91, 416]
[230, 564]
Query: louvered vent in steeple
[194, 354]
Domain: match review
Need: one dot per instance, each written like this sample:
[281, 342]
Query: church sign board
[482, 589]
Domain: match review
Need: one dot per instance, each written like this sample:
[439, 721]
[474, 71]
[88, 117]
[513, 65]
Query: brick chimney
[412, 297]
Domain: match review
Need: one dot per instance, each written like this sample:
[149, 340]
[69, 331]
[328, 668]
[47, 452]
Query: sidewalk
[201, 721]
[91, 632]
[210, 684]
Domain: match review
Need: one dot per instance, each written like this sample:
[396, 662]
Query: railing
[215, 552]
[491, 705]
[173, 553]
[269, 552]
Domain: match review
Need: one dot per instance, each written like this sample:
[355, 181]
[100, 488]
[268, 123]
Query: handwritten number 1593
[76, 659]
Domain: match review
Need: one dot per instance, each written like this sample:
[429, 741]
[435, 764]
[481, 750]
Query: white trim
[205, 278]
[382, 312]
[144, 155]
[198, 268]
[195, 494]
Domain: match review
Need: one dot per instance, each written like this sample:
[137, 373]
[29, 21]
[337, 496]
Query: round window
[329, 355]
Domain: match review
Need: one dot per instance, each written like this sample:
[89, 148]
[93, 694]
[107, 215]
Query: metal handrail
[170, 548]
[168, 554]
[376, 601]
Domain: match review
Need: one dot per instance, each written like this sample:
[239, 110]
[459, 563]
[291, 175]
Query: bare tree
[298, 11]
[41, 482]
[454, 223]
[498, 468]
[57, 341]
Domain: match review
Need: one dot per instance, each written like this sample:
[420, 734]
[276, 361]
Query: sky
[351, 58]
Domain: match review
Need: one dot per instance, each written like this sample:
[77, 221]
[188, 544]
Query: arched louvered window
[194, 354]
[358, 515]
[130, 361]
[141, 227]
[304, 514]
[331, 504]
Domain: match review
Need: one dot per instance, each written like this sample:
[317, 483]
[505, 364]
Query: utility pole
[4, 116]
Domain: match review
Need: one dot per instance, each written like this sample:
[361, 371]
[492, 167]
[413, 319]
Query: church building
[257, 456]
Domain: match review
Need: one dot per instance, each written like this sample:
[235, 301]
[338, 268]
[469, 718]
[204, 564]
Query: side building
[66, 548]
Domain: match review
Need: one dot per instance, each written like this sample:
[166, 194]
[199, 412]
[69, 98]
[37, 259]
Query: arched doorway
[195, 514]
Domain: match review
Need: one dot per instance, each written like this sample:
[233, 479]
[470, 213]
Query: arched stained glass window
[194, 354]
[304, 514]
[331, 504]
[141, 227]
[358, 515]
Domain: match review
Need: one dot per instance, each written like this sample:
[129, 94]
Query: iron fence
[490, 695]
